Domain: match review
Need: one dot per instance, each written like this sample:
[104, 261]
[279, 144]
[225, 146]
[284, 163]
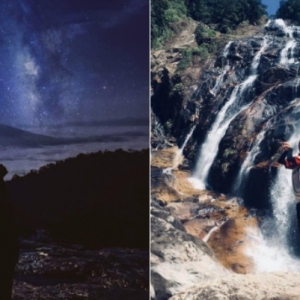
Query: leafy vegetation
[186, 59]
[163, 14]
[289, 9]
[225, 15]
[203, 34]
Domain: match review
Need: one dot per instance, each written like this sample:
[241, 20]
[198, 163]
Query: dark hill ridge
[10, 136]
[99, 199]
[114, 122]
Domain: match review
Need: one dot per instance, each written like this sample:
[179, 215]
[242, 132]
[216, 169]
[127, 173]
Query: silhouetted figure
[9, 248]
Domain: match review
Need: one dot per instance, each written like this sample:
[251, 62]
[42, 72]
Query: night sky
[73, 60]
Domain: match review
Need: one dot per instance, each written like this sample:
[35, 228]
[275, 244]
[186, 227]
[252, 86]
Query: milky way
[73, 60]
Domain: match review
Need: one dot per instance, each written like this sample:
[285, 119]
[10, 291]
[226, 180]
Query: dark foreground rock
[52, 271]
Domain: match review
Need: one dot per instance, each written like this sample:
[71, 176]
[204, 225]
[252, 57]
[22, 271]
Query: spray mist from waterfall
[272, 251]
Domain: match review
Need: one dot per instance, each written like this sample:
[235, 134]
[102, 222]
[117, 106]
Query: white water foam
[284, 56]
[196, 183]
[269, 255]
[287, 29]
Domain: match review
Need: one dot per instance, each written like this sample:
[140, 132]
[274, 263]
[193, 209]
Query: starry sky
[272, 6]
[73, 60]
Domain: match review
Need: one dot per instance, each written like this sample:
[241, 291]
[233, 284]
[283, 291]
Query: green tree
[289, 9]
[163, 14]
[226, 14]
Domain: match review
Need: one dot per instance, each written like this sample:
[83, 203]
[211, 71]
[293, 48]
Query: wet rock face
[178, 260]
[266, 105]
[267, 286]
[276, 28]
[261, 74]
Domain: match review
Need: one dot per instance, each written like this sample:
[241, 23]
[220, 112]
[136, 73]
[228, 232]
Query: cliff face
[224, 129]
[251, 88]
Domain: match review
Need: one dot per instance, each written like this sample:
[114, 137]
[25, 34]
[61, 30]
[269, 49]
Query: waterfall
[284, 57]
[269, 248]
[179, 153]
[288, 30]
[282, 196]
[296, 87]
[229, 111]
[248, 163]
[272, 253]
[220, 78]
[209, 148]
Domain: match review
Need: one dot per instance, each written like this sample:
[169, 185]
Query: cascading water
[248, 163]
[226, 69]
[229, 111]
[296, 87]
[179, 153]
[284, 57]
[288, 30]
[271, 251]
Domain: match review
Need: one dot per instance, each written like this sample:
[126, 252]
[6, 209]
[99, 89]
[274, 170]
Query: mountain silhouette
[11, 136]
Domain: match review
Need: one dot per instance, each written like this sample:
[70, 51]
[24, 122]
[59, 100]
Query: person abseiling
[287, 159]
[292, 162]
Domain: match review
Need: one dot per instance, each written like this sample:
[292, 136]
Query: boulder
[266, 286]
[178, 260]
